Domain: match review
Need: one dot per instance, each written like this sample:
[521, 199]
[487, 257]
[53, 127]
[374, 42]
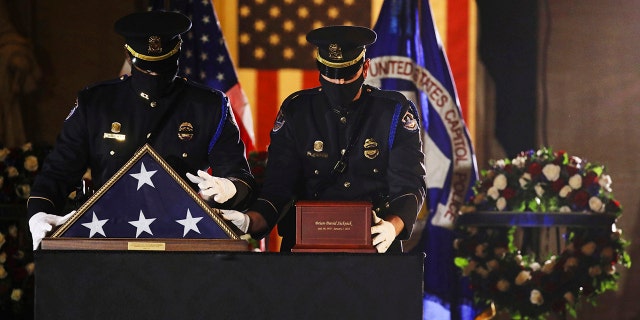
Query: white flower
[503, 285]
[534, 266]
[501, 203]
[595, 271]
[500, 163]
[500, 182]
[551, 171]
[525, 179]
[484, 273]
[16, 294]
[30, 267]
[536, 297]
[575, 181]
[493, 193]
[523, 277]
[549, 265]
[596, 204]
[519, 161]
[564, 192]
[570, 263]
[605, 182]
[564, 209]
[493, 265]
[569, 297]
[539, 190]
[469, 268]
[588, 248]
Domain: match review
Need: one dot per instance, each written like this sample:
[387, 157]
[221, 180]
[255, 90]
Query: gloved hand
[383, 233]
[221, 189]
[238, 218]
[42, 222]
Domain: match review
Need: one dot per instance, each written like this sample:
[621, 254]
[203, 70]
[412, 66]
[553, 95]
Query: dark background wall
[586, 91]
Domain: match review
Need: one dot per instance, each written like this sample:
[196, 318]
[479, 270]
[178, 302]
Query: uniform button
[347, 184]
[316, 171]
[153, 104]
[184, 155]
[343, 120]
[375, 170]
[343, 151]
[112, 152]
[148, 135]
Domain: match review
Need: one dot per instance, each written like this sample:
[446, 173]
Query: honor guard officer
[189, 125]
[343, 141]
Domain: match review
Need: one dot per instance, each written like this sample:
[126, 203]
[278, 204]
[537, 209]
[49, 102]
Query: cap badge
[335, 52]
[115, 127]
[371, 148]
[185, 132]
[318, 146]
[155, 46]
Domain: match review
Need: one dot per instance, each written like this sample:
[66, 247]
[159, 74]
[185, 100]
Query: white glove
[383, 233]
[221, 189]
[238, 218]
[42, 222]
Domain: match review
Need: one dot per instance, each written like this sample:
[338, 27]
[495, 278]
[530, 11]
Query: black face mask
[153, 85]
[341, 95]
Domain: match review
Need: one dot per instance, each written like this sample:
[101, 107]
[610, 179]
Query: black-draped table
[87, 284]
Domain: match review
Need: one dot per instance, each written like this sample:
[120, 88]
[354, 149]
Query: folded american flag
[146, 199]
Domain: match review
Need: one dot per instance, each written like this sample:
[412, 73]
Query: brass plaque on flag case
[336, 226]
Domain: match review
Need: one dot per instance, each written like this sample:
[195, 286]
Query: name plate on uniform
[333, 226]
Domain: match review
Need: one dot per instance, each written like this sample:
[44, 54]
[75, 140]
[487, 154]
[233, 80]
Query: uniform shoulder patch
[409, 121]
[279, 121]
[73, 110]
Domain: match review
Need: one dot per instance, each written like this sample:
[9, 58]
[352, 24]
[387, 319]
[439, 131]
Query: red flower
[508, 168]
[508, 193]
[557, 185]
[534, 169]
[589, 179]
[581, 198]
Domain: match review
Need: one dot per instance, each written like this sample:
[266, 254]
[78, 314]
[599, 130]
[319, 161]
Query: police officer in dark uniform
[343, 141]
[191, 126]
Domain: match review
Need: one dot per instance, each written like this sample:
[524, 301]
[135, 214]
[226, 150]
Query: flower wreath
[541, 181]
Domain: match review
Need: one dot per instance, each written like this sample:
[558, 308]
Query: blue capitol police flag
[408, 57]
[146, 199]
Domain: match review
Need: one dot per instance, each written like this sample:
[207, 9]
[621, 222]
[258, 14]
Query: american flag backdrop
[205, 59]
[146, 199]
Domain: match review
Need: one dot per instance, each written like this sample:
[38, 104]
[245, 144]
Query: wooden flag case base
[155, 244]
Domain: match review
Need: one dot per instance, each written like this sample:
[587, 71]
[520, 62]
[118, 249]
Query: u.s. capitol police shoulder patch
[409, 121]
[279, 122]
